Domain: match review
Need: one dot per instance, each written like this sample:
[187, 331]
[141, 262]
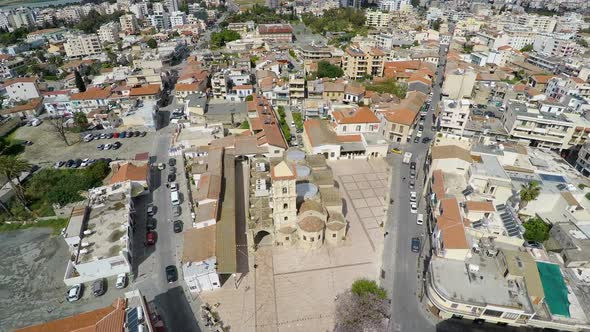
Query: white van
[174, 198]
[420, 219]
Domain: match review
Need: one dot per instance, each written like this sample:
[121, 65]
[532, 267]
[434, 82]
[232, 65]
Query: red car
[150, 238]
[116, 135]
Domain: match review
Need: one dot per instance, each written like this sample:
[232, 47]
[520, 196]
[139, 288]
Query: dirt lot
[47, 148]
[32, 266]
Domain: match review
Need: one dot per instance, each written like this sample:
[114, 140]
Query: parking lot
[47, 148]
[32, 291]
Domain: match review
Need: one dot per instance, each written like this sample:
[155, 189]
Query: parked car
[413, 196]
[86, 162]
[77, 163]
[59, 163]
[116, 135]
[420, 219]
[130, 134]
[107, 147]
[121, 281]
[69, 163]
[396, 151]
[413, 165]
[122, 135]
[533, 244]
[74, 293]
[143, 133]
[172, 161]
[416, 139]
[172, 169]
[117, 145]
[173, 186]
[136, 133]
[171, 274]
[177, 226]
[412, 184]
[415, 244]
[412, 174]
[413, 207]
[150, 224]
[151, 210]
[88, 138]
[100, 146]
[176, 210]
[426, 139]
[110, 135]
[161, 166]
[171, 177]
[150, 238]
[98, 287]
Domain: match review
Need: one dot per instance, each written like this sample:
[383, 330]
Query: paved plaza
[293, 289]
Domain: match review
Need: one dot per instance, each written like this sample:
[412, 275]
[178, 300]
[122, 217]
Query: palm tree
[529, 192]
[12, 167]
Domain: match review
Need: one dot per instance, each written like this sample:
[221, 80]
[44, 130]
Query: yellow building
[357, 62]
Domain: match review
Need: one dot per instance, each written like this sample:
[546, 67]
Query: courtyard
[294, 289]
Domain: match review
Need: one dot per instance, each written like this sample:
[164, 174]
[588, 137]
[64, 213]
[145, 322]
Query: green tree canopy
[326, 69]
[529, 192]
[436, 24]
[336, 20]
[527, 48]
[219, 39]
[152, 43]
[81, 120]
[536, 230]
[363, 287]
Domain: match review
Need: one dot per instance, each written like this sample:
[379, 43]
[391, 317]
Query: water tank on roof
[306, 191]
[302, 171]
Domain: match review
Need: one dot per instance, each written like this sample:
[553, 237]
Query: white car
[161, 166]
[420, 219]
[107, 147]
[121, 281]
[88, 137]
[74, 293]
[174, 186]
[85, 162]
[419, 134]
[413, 207]
[413, 196]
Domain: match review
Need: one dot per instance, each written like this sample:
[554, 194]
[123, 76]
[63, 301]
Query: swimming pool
[552, 178]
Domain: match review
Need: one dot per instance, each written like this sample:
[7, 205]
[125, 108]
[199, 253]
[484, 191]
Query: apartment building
[296, 89]
[358, 63]
[377, 18]
[396, 125]
[82, 45]
[459, 83]
[128, 23]
[583, 161]
[541, 129]
[394, 5]
[22, 89]
[276, 32]
[537, 22]
[354, 121]
[555, 45]
[453, 115]
[109, 32]
[178, 19]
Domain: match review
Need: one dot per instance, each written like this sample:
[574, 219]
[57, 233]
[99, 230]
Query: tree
[527, 48]
[112, 57]
[436, 24]
[12, 167]
[183, 8]
[58, 126]
[536, 230]
[80, 120]
[582, 42]
[326, 69]
[249, 98]
[415, 3]
[79, 81]
[219, 39]
[529, 192]
[362, 308]
[152, 43]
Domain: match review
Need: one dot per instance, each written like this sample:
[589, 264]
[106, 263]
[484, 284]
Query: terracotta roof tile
[186, 87]
[130, 172]
[92, 93]
[402, 116]
[483, 206]
[361, 115]
[450, 224]
[145, 90]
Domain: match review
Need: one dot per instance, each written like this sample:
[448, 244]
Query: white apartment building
[178, 19]
[555, 45]
[140, 10]
[109, 32]
[22, 89]
[394, 5]
[82, 45]
[537, 22]
[172, 5]
[515, 37]
[100, 235]
[541, 129]
[128, 23]
[453, 115]
[377, 18]
[160, 21]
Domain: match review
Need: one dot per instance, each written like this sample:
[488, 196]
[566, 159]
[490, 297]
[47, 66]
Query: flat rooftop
[484, 287]
[109, 221]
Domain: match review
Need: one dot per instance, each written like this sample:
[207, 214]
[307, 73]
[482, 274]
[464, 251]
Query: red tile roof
[186, 87]
[106, 319]
[361, 115]
[267, 29]
[32, 104]
[402, 116]
[145, 90]
[450, 224]
[130, 172]
[92, 93]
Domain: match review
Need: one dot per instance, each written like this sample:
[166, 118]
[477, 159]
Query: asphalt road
[401, 270]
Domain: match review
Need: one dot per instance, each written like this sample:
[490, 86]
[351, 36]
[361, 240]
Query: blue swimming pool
[552, 178]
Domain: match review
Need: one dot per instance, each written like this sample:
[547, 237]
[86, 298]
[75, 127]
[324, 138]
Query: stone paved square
[359, 203]
[351, 186]
[355, 194]
[368, 193]
[373, 201]
[359, 178]
[363, 185]
[347, 178]
[364, 212]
